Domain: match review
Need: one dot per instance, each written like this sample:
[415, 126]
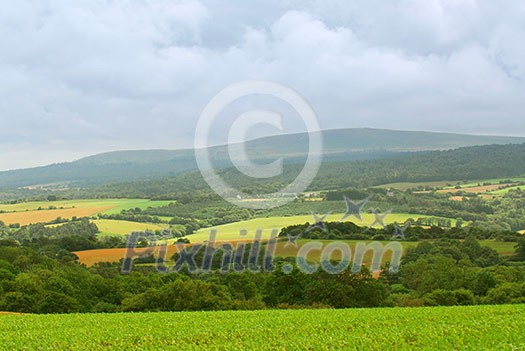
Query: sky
[82, 77]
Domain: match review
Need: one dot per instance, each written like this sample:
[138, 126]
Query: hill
[339, 145]
[467, 163]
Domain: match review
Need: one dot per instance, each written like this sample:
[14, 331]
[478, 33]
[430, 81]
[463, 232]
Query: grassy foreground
[431, 328]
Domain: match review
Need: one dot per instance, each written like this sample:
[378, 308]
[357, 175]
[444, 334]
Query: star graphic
[354, 208]
[319, 222]
[292, 240]
[400, 231]
[379, 218]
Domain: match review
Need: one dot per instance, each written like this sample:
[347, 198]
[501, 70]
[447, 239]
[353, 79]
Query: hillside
[467, 163]
[339, 145]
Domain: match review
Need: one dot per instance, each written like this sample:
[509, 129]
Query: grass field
[28, 213]
[427, 328]
[114, 227]
[231, 231]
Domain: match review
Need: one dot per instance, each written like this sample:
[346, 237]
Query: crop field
[429, 328]
[231, 231]
[90, 257]
[506, 190]
[114, 227]
[403, 186]
[497, 181]
[477, 189]
[40, 212]
[450, 185]
[44, 216]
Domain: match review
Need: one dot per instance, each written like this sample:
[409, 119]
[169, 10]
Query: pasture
[426, 328]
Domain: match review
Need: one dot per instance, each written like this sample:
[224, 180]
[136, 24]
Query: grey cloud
[85, 77]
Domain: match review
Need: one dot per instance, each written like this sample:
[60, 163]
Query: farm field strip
[28, 213]
[31, 217]
[90, 257]
[476, 189]
[448, 184]
[231, 231]
[496, 181]
[506, 190]
[437, 328]
[116, 227]
[403, 186]
[114, 204]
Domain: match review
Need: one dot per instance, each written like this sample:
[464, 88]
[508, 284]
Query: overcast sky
[86, 76]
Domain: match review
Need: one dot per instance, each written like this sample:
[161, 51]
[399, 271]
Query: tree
[520, 250]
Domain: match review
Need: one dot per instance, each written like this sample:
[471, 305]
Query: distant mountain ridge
[339, 145]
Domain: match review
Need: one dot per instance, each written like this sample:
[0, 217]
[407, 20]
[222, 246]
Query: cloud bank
[88, 76]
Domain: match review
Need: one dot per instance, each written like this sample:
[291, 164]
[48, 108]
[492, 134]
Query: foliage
[465, 327]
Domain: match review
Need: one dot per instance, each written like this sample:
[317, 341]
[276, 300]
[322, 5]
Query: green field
[430, 328]
[114, 227]
[115, 205]
[231, 231]
[506, 190]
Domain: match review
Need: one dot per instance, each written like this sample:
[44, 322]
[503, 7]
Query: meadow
[426, 328]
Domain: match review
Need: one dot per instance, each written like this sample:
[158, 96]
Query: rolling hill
[339, 145]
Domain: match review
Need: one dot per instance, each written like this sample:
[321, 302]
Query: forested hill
[339, 145]
[468, 163]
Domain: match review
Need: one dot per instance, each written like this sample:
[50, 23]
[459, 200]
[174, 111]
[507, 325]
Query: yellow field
[90, 257]
[476, 189]
[231, 231]
[114, 227]
[28, 213]
[31, 217]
